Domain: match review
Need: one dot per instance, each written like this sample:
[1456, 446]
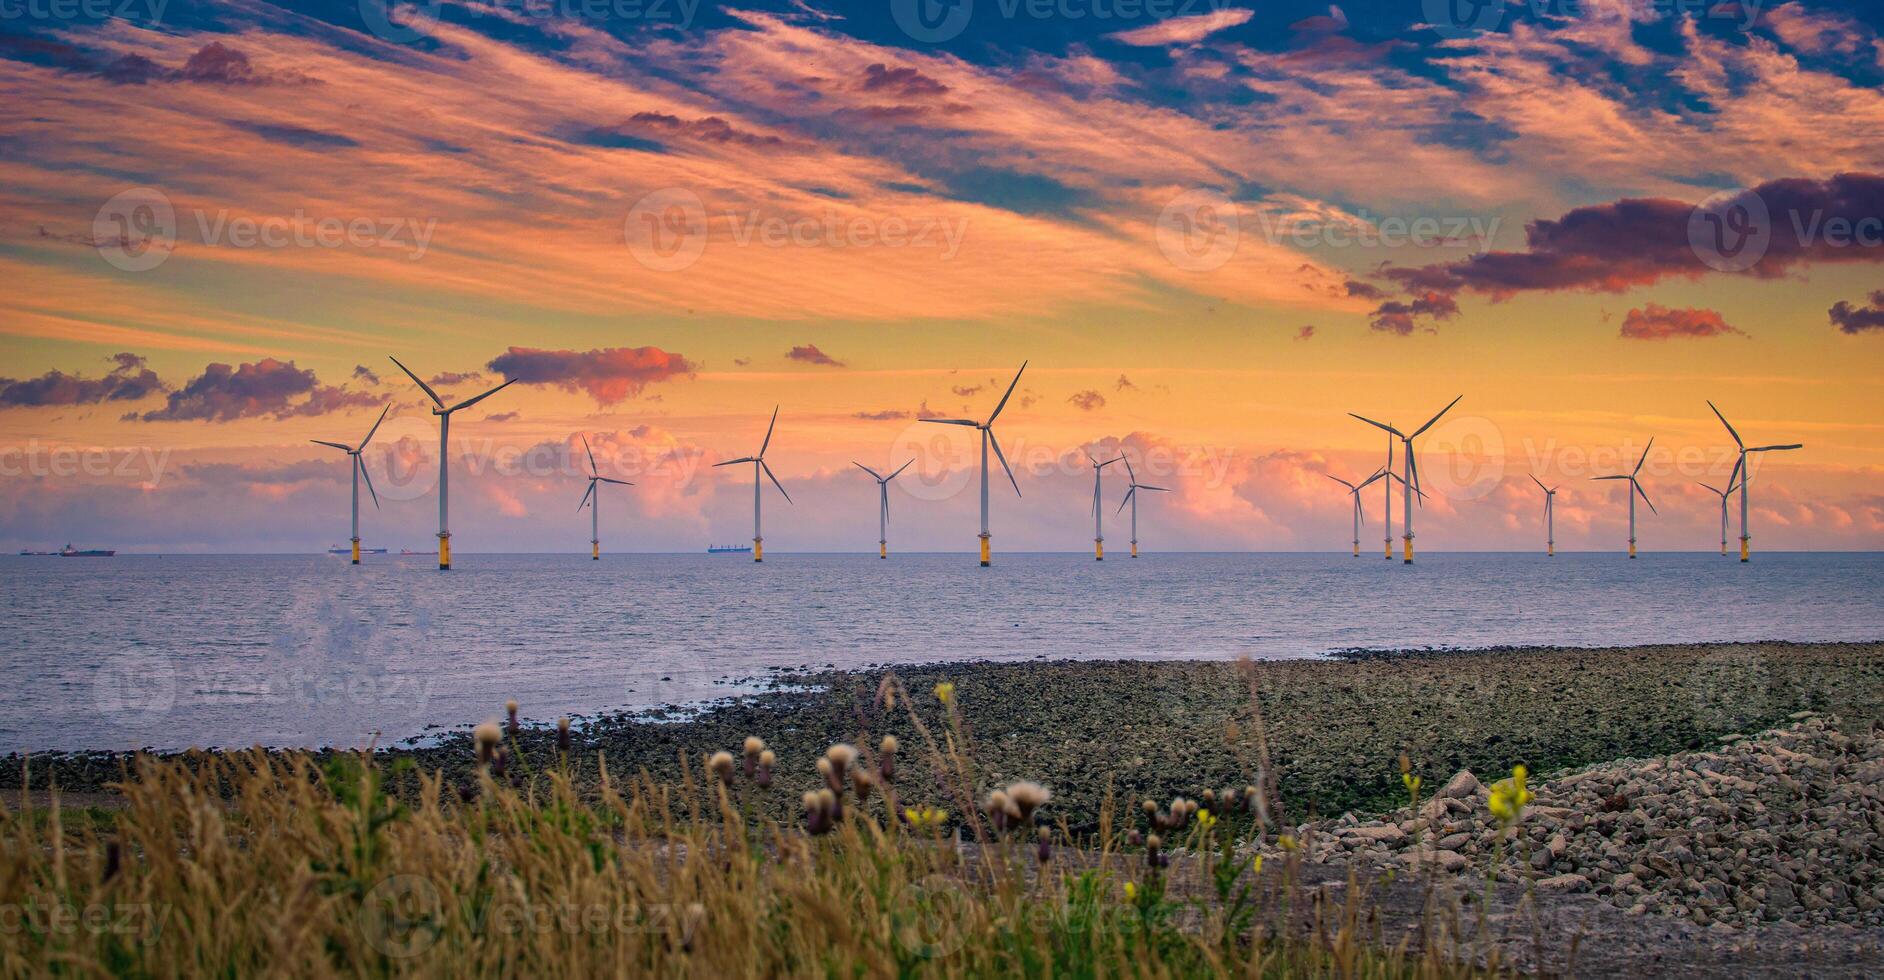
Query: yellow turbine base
[758, 550]
[595, 551]
[1550, 551]
[1388, 547]
[1632, 549]
[1134, 549]
[356, 551]
[1743, 549]
[1357, 549]
[883, 549]
[1098, 550]
[984, 551]
[444, 552]
[1409, 550]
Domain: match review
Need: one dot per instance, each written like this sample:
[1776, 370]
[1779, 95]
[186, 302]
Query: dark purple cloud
[1858, 319]
[1087, 401]
[882, 416]
[266, 388]
[214, 63]
[363, 373]
[1658, 322]
[129, 381]
[609, 374]
[1640, 241]
[453, 378]
[905, 83]
[1402, 318]
[810, 354]
[1306, 333]
[708, 129]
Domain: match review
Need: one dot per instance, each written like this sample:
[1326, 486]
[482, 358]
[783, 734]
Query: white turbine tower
[1410, 479]
[444, 456]
[1724, 495]
[1745, 476]
[988, 439]
[359, 470]
[1550, 514]
[594, 505]
[1131, 497]
[758, 466]
[883, 504]
[1354, 493]
[1635, 487]
[1098, 533]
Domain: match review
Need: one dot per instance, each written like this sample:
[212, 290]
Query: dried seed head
[722, 765]
[888, 745]
[841, 755]
[1044, 850]
[510, 707]
[562, 734]
[1028, 797]
[864, 783]
[486, 735]
[1150, 807]
[754, 745]
[767, 758]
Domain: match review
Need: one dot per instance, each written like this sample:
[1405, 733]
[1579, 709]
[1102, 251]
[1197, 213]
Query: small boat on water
[29, 553]
[409, 551]
[348, 550]
[729, 549]
[70, 552]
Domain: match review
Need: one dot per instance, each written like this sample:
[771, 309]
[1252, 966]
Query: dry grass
[257, 863]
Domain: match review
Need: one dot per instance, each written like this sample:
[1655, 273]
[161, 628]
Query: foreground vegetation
[252, 863]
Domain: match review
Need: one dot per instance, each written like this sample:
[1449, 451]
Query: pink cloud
[1658, 322]
[1183, 30]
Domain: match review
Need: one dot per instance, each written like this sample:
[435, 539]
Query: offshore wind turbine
[359, 470]
[1354, 492]
[1635, 487]
[1723, 495]
[1550, 513]
[444, 457]
[1410, 479]
[595, 521]
[883, 504]
[1131, 497]
[1098, 534]
[758, 466]
[988, 439]
[1745, 475]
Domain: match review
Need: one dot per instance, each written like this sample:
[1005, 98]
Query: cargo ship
[729, 549]
[70, 552]
[338, 550]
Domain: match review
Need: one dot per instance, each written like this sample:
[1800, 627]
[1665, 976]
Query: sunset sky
[1212, 229]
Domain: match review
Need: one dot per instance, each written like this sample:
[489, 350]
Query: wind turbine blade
[866, 469]
[415, 380]
[1730, 428]
[375, 428]
[1377, 425]
[899, 469]
[1125, 500]
[996, 443]
[1740, 462]
[1089, 458]
[768, 432]
[1644, 493]
[1146, 486]
[585, 495]
[968, 422]
[1768, 449]
[1429, 422]
[1721, 493]
[1609, 478]
[323, 442]
[1413, 467]
[1540, 483]
[1337, 479]
[493, 391]
[1644, 459]
[619, 483]
[1109, 462]
[585, 448]
[361, 463]
[1004, 398]
[1378, 475]
[774, 479]
[742, 459]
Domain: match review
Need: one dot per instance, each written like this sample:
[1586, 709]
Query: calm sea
[286, 650]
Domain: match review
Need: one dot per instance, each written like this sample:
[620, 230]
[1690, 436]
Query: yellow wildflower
[945, 692]
[1131, 892]
[926, 818]
[1256, 865]
[1287, 842]
[1411, 782]
[1206, 819]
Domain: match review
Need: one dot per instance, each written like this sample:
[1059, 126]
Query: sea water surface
[111, 653]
